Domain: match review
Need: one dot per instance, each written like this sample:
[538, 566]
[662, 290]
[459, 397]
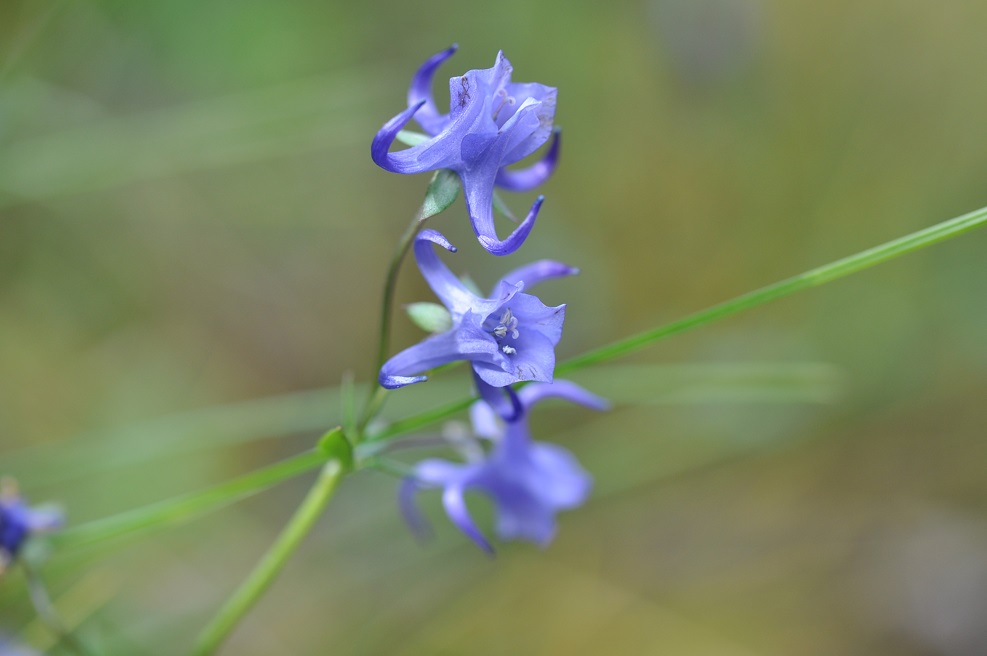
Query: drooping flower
[18, 521]
[528, 481]
[508, 338]
[492, 122]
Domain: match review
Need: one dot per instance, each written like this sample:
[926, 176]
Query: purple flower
[508, 338]
[18, 522]
[492, 122]
[10, 648]
[527, 481]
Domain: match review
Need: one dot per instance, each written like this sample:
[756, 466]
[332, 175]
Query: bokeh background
[193, 240]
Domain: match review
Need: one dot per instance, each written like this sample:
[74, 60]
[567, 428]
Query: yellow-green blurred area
[193, 238]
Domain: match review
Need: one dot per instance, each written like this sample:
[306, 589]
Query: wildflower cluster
[508, 337]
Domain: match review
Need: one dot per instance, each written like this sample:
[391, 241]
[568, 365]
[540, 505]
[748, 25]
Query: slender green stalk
[813, 278]
[49, 615]
[213, 636]
[186, 506]
[442, 192]
[377, 394]
[390, 285]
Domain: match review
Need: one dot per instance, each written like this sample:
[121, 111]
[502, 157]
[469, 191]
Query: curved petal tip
[436, 237]
[535, 175]
[385, 137]
[515, 239]
[395, 382]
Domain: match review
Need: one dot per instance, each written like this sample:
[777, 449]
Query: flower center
[504, 100]
[507, 327]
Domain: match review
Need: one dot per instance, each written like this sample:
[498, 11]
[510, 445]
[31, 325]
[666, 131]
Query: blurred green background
[189, 218]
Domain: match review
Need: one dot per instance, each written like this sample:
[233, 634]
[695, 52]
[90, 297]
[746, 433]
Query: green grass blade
[187, 506]
[814, 278]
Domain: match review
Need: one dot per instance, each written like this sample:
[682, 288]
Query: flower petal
[407, 491]
[437, 153]
[535, 316]
[517, 138]
[502, 400]
[522, 517]
[485, 421]
[561, 482]
[536, 272]
[531, 395]
[473, 92]
[44, 518]
[421, 89]
[478, 191]
[449, 288]
[464, 342]
[535, 175]
[542, 100]
[455, 505]
[534, 360]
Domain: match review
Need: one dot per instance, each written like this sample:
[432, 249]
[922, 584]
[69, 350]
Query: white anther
[508, 350]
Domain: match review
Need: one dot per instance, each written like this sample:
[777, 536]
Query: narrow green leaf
[442, 192]
[180, 509]
[812, 278]
[430, 317]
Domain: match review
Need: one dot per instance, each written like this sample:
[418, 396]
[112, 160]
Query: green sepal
[411, 138]
[430, 317]
[442, 192]
[335, 445]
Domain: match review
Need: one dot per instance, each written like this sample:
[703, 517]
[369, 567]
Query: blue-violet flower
[492, 122]
[528, 481]
[508, 338]
[18, 522]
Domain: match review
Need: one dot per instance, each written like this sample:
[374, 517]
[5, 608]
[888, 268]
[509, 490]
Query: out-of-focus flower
[528, 481]
[11, 648]
[492, 122]
[18, 521]
[508, 338]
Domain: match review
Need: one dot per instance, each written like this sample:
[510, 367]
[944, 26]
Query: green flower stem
[48, 614]
[813, 278]
[184, 507]
[377, 394]
[390, 285]
[442, 192]
[213, 636]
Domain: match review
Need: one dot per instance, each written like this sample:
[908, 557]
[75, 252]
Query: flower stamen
[508, 324]
[504, 100]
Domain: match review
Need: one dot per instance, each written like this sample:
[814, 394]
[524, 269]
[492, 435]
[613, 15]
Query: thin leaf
[187, 506]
